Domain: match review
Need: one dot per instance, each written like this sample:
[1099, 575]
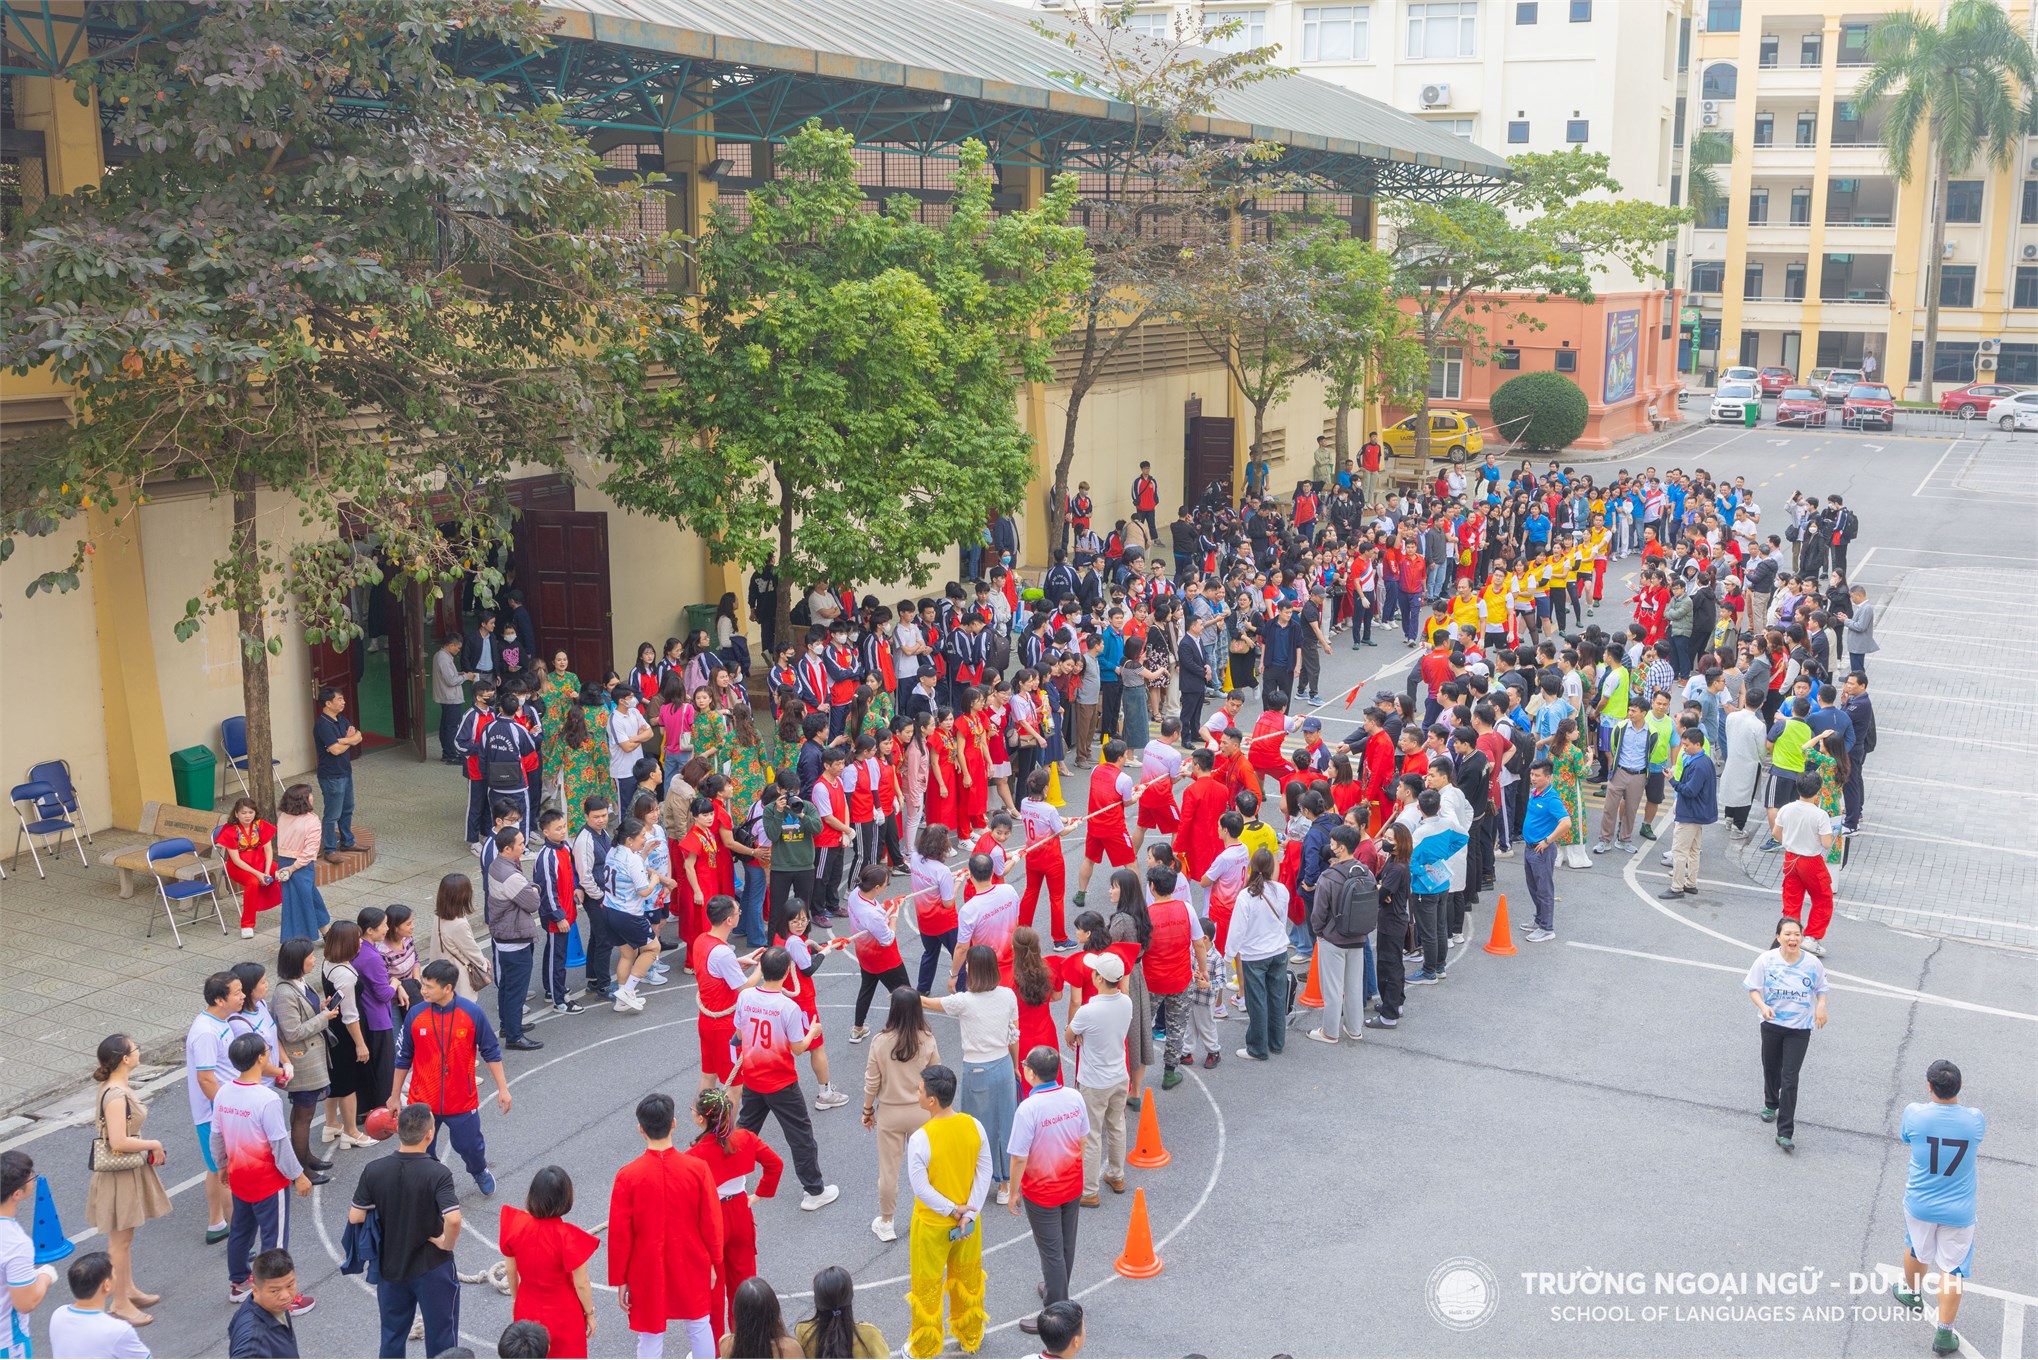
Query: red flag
[1352, 694]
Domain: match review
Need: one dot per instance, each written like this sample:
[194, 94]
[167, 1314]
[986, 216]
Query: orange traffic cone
[1502, 941]
[1147, 1151]
[1137, 1261]
[1312, 990]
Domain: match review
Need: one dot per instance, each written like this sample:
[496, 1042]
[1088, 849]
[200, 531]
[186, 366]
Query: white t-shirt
[627, 722]
[1799, 826]
[78, 1335]
[1101, 1024]
[205, 1045]
[989, 1022]
[17, 1268]
[905, 667]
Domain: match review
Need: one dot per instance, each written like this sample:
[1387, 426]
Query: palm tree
[1960, 84]
[1707, 152]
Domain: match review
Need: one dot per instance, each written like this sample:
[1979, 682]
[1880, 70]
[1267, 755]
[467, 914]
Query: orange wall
[1582, 327]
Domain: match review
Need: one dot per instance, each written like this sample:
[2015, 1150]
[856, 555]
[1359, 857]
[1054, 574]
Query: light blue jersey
[1789, 989]
[1945, 1146]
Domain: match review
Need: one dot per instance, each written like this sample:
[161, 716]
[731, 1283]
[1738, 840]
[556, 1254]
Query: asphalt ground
[1562, 1143]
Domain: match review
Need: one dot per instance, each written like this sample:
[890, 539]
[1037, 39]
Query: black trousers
[1312, 665]
[1479, 860]
[1111, 697]
[828, 881]
[888, 832]
[792, 883]
[789, 1103]
[1054, 1237]
[1278, 680]
[1024, 761]
[1783, 1052]
[1192, 715]
[1388, 968]
[867, 985]
[477, 810]
[1851, 794]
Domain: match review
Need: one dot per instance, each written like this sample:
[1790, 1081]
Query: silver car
[1839, 383]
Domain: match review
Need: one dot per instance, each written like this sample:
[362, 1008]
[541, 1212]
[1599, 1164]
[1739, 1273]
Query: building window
[1963, 200]
[1751, 348]
[1525, 12]
[1723, 16]
[1447, 374]
[1714, 218]
[1810, 50]
[1808, 129]
[1954, 361]
[1766, 52]
[1336, 33]
[2030, 213]
[1581, 11]
[1758, 207]
[1751, 283]
[2024, 294]
[1800, 207]
[1510, 359]
[1577, 129]
[1708, 276]
[1718, 81]
[1156, 24]
[1517, 133]
[1765, 129]
[1956, 285]
[1793, 281]
[1457, 127]
[1443, 30]
[1252, 29]
[1567, 361]
[1854, 46]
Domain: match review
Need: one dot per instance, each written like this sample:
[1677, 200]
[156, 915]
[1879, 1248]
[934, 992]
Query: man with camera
[790, 824]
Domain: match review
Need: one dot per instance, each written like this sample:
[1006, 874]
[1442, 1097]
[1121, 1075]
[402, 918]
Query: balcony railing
[1860, 220]
[1875, 296]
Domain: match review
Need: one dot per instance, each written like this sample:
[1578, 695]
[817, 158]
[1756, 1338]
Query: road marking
[1942, 784]
[2014, 1305]
[1771, 893]
[1720, 968]
[1941, 840]
[1946, 552]
[1959, 741]
[1936, 466]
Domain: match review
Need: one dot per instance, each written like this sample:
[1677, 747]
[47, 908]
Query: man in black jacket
[480, 653]
[1854, 699]
[763, 598]
[1194, 676]
[1344, 911]
[1186, 542]
[1705, 616]
[1473, 775]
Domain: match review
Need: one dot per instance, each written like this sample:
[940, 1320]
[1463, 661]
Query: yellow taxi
[1452, 434]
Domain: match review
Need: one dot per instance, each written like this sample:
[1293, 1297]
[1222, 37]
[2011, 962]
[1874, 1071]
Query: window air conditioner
[1711, 106]
[2031, 252]
[1708, 120]
[1984, 363]
[1991, 346]
[1436, 96]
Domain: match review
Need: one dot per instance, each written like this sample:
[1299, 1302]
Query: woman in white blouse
[989, 1016]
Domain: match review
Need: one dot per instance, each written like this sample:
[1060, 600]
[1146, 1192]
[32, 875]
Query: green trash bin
[701, 617]
[1753, 413]
[191, 770]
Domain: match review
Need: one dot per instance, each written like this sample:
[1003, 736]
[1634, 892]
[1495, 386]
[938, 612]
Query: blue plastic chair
[39, 796]
[233, 739]
[173, 890]
[57, 774]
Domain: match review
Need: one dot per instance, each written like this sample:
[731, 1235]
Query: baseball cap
[1312, 724]
[1107, 966]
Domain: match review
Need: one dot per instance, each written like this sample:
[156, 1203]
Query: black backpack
[1357, 912]
[502, 757]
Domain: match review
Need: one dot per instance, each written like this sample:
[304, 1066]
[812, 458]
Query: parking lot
[1910, 423]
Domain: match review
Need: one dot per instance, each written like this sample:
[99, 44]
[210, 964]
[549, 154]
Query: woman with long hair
[378, 1022]
[546, 1259]
[644, 677]
[1787, 983]
[581, 754]
[674, 718]
[1036, 982]
[710, 728]
[249, 841]
[988, 1014]
[891, 1095]
[934, 909]
[1135, 716]
[118, 1202]
[944, 776]
[915, 770]
[1131, 930]
[757, 1326]
[297, 832]
[731, 1154]
[1258, 941]
[558, 691]
[972, 729]
[833, 1333]
[302, 1018]
[452, 935]
[351, 1072]
[1396, 916]
[1570, 764]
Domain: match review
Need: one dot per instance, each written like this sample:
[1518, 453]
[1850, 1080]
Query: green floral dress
[711, 738]
[558, 694]
[877, 719]
[1831, 799]
[1570, 770]
[749, 770]
[585, 770]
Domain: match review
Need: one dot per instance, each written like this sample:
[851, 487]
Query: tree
[1169, 188]
[1544, 234]
[842, 390]
[336, 269]
[1705, 154]
[1542, 411]
[1369, 345]
[1955, 85]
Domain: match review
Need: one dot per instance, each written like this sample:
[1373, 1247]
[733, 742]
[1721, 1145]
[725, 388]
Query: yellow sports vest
[952, 1144]
[1496, 606]
[1465, 612]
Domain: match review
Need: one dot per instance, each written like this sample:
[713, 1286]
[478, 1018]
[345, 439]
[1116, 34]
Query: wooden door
[1208, 460]
[562, 562]
[335, 666]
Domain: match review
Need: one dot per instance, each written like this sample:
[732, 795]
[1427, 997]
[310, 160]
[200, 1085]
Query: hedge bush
[1542, 411]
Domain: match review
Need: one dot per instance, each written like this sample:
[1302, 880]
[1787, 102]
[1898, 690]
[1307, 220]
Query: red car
[1972, 402]
[1800, 406]
[1868, 406]
[1774, 380]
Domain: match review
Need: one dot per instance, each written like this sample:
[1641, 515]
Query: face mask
[509, 638]
[814, 649]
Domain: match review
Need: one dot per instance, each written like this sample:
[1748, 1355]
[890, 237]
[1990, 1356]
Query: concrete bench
[168, 821]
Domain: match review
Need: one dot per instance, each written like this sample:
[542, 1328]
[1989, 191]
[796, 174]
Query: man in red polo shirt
[1176, 959]
[436, 1049]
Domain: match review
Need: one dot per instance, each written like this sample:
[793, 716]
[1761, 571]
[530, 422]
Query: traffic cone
[1054, 798]
[1137, 1261]
[576, 957]
[1312, 990]
[52, 1245]
[1502, 941]
[1147, 1151]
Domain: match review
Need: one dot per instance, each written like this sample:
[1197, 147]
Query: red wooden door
[335, 666]
[562, 562]
[1209, 457]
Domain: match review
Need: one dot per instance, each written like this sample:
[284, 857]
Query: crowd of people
[745, 824]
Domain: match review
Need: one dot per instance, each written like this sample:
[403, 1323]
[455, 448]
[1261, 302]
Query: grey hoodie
[512, 903]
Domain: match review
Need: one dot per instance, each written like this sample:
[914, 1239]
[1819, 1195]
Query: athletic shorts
[1652, 786]
[718, 1051]
[1949, 1251]
[1782, 788]
[1162, 817]
[1118, 850]
[205, 1146]
[1542, 606]
[627, 927]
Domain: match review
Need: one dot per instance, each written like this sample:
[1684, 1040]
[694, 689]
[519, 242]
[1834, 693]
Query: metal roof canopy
[924, 74]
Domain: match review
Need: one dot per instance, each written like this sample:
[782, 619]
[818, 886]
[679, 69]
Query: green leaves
[1971, 78]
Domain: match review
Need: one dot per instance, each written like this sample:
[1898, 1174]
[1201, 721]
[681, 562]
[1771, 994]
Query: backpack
[1523, 753]
[1358, 907]
[502, 760]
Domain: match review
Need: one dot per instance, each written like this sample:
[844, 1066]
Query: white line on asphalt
[1884, 659]
[1936, 466]
[1944, 552]
[1940, 636]
[1937, 699]
[1942, 840]
[1880, 730]
[1723, 968]
[87, 1233]
[1771, 893]
[1942, 784]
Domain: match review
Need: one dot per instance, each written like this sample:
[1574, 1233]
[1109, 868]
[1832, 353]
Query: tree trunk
[788, 586]
[1932, 265]
[254, 632]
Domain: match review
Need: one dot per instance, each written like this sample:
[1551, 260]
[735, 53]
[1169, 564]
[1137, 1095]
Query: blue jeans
[437, 1293]
[512, 980]
[1266, 1004]
[1301, 940]
[750, 886]
[336, 827]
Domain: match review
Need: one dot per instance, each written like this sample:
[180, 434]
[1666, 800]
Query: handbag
[100, 1156]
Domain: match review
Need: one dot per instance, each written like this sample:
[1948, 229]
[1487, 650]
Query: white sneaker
[247, 932]
[858, 1034]
[658, 976]
[1814, 947]
[1602, 847]
[883, 1228]
[1538, 935]
[1005, 1194]
[821, 1201]
[622, 1005]
[829, 1100]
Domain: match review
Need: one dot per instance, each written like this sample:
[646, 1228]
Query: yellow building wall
[49, 676]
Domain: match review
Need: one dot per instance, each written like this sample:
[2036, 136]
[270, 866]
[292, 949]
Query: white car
[1730, 403]
[2018, 412]
[1740, 374]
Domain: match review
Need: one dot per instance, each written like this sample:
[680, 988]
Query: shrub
[1542, 411]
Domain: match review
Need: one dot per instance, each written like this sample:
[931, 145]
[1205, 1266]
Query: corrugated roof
[988, 51]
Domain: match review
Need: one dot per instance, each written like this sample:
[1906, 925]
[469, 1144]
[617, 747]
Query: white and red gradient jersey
[989, 918]
[1048, 1130]
[768, 1024]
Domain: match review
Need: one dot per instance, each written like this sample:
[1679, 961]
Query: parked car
[1774, 379]
[1452, 434]
[1972, 402]
[1869, 406]
[1739, 374]
[1839, 383]
[1730, 403]
[1816, 379]
[1800, 406]
[2013, 412]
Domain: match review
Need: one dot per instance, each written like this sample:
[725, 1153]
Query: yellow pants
[961, 1264]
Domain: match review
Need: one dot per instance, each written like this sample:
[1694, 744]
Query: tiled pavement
[76, 963]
